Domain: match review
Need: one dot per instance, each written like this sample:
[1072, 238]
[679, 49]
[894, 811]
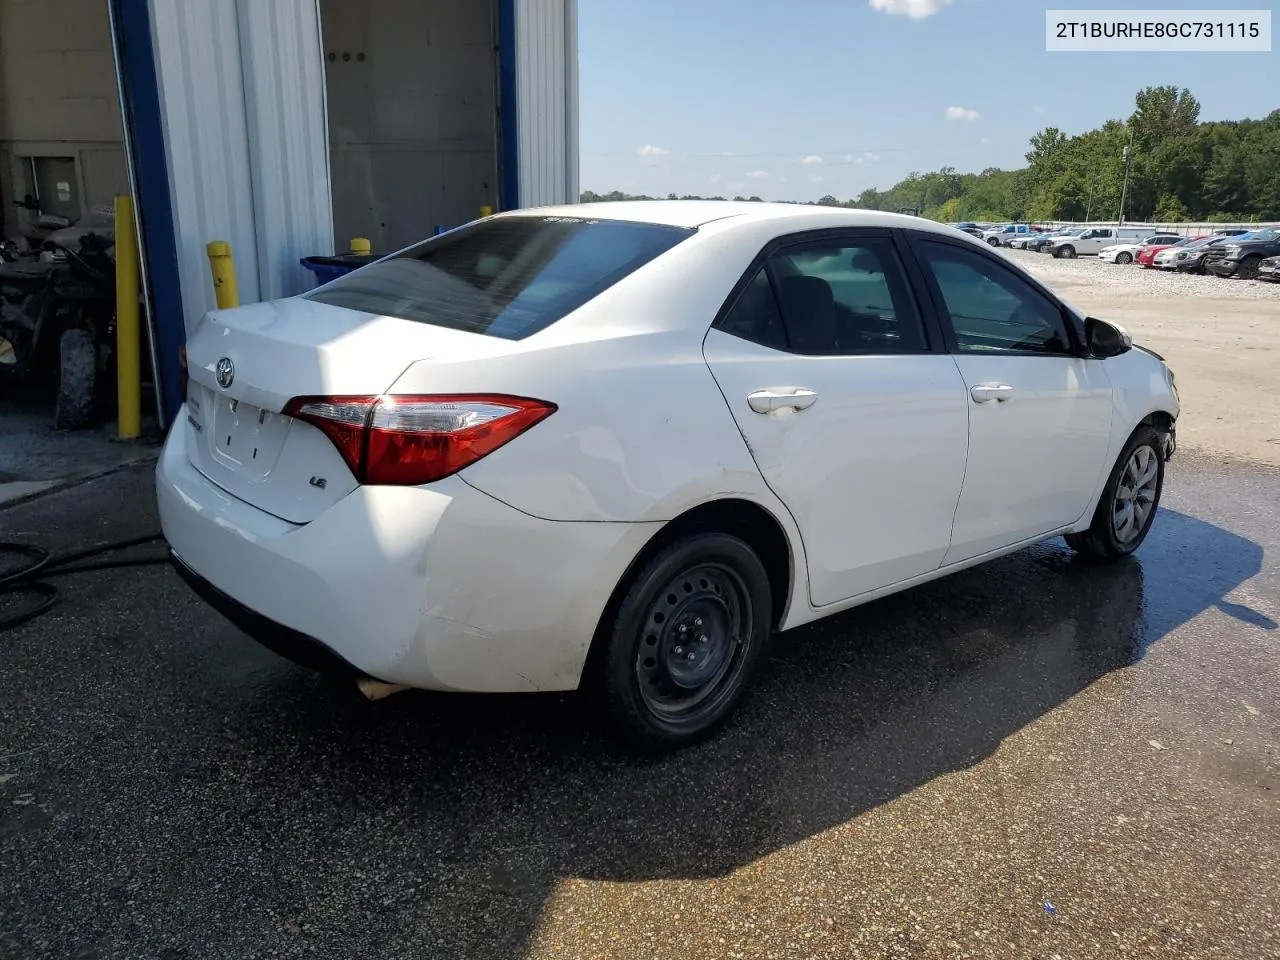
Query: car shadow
[480, 806]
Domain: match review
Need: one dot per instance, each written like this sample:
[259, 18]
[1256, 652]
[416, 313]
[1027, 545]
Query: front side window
[506, 277]
[846, 297]
[990, 307]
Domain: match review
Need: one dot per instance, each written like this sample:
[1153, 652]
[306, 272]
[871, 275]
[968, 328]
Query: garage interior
[61, 131]
[62, 154]
[412, 90]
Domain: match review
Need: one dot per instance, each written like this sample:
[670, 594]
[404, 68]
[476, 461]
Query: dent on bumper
[439, 587]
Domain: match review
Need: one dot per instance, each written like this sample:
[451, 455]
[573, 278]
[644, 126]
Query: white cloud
[810, 160]
[915, 9]
[649, 150]
[866, 158]
[1038, 109]
[986, 140]
[757, 174]
[715, 178]
[728, 153]
[962, 113]
[814, 178]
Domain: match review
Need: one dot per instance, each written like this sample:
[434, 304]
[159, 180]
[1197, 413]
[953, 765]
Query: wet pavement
[1036, 758]
[34, 457]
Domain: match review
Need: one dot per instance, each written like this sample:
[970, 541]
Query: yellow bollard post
[361, 246]
[223, 268]
[486, 211]
[128, 324]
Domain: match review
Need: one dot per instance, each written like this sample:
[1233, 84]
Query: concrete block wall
[58, 97]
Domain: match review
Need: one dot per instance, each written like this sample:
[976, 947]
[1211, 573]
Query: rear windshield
[507, 277]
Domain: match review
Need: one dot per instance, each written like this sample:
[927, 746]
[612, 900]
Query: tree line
[1179, 169]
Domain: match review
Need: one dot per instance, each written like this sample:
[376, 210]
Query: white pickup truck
[1093, 240]
[1000, 236]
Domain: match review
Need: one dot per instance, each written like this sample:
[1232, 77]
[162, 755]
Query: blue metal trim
[508, 115]
[145, 126]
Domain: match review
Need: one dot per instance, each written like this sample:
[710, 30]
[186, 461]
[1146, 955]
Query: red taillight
[411, 440]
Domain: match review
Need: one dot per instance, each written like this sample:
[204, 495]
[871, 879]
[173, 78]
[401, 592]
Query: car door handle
[987, 392]
[781, 398]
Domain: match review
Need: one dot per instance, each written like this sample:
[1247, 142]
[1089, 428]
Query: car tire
[1136, 479]
[77, 380]
[1065, 252]
[680, 646]
[1247, 269]
[994, 241]
[1124, 258]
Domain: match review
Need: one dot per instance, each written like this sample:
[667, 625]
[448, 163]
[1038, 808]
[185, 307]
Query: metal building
[285, 127]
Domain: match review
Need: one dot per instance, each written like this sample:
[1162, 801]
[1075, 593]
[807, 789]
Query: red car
[1146, 255]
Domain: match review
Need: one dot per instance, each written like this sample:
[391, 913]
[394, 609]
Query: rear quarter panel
[642, 432]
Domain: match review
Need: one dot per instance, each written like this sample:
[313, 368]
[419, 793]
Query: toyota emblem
[225, 372]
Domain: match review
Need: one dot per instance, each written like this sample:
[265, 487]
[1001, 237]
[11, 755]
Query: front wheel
[995, 242]
[77, 380]
[1124, 258]
[680, 650]
[1248, 268]
[1065, 252]
[1129, 500]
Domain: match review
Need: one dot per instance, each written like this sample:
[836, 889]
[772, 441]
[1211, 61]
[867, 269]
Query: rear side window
[507, 277]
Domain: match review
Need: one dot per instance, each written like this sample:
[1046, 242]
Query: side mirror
[1106, 339]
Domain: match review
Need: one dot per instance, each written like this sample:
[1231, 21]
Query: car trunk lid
[245, 364]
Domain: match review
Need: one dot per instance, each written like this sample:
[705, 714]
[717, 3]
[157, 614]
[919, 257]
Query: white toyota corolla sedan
[617, 447]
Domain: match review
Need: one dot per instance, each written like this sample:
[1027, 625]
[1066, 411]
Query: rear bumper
[276, 637]
[439, 587]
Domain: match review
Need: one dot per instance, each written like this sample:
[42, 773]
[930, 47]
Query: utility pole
[1093, 186]
[1124, 191]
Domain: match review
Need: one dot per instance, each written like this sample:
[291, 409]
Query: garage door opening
[62, 163]
[413, 121]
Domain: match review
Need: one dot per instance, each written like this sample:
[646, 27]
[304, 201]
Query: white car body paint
[495, 578]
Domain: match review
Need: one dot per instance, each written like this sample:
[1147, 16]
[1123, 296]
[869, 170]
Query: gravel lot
[1222, 338]
[1130, 281]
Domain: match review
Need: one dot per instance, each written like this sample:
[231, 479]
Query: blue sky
[793, 99]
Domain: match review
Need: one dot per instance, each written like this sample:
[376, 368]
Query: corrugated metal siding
[288, 144]
[257, 177]
[547, 101]
[197, 53]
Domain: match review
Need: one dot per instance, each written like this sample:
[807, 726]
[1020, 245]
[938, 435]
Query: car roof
[696, 213]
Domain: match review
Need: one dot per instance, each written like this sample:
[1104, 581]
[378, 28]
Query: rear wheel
[1129, 500]
[681, 647]
[77, 380]
[1124, 258]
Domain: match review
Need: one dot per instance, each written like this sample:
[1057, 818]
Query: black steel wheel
[687, 633]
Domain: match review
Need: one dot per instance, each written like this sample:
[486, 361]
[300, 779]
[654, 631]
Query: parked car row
[1226, 253]
[1231, 253]
[999, 234]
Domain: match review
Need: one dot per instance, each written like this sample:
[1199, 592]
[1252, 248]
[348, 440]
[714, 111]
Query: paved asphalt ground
[1035, 759]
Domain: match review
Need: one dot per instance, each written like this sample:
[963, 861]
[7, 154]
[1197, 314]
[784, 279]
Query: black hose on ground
[36, 567]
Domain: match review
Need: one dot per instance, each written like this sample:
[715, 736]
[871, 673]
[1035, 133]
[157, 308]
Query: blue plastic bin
[330, 268]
